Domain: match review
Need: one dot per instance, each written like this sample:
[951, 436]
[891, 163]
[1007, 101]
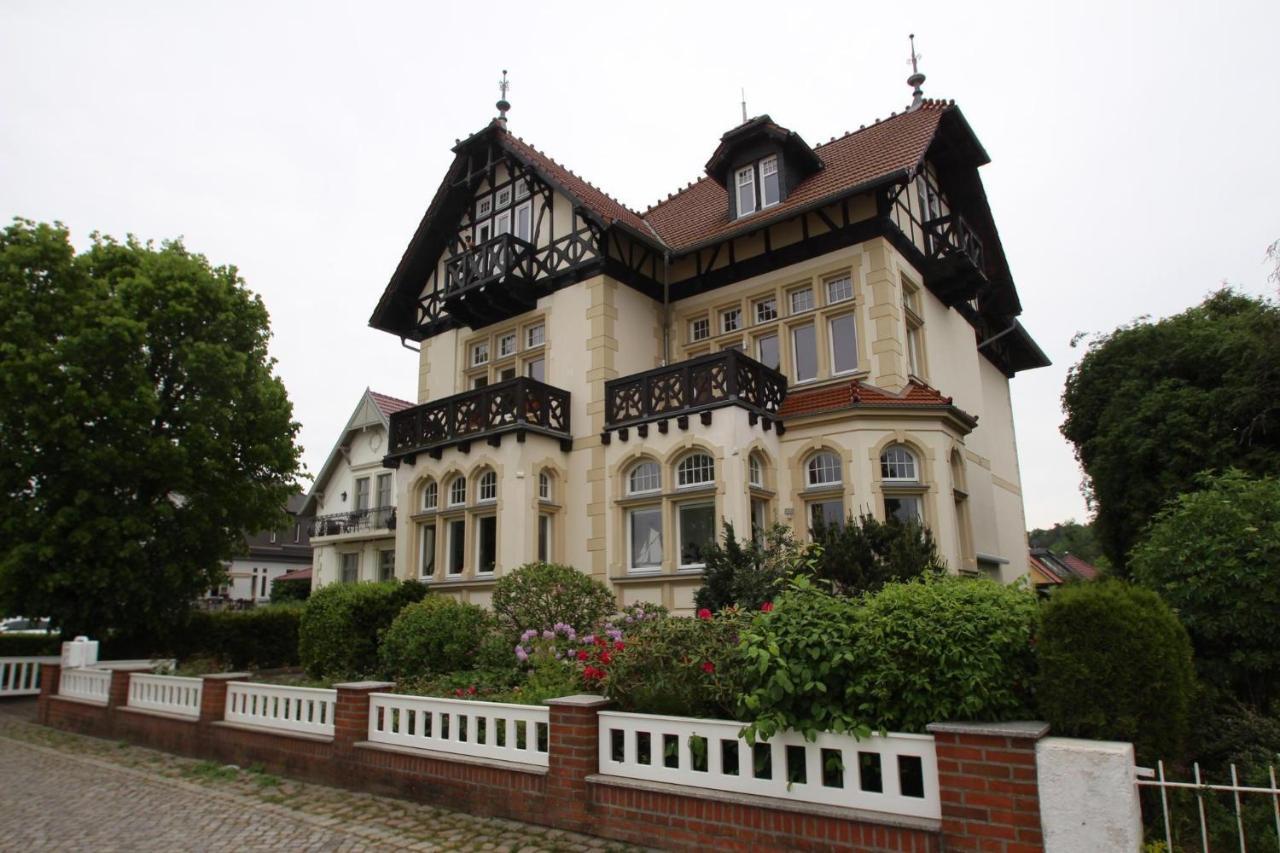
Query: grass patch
[212, 771]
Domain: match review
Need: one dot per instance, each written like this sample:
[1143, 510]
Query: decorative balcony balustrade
[697, 385]
[354, 521]
[504, 255]
[518, 405]
[956, 255]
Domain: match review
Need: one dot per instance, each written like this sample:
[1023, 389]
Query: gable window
[522, 189]
[804, 341]
[502, 197]
[696, 469]
[484, 207]
[458, 491]
[645, 477]
[844, 344]
[488, 490]
[507, 345]
[839, 289]
[731, 320]
[823, 469]
[801, 300]
[524, 222]
[746, 183]
[479, 353]
[770, 190]
[699, 329]
[766, 310]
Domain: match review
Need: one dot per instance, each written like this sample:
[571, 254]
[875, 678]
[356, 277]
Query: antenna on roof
[916, 79]
[502, 104]
[744, 106]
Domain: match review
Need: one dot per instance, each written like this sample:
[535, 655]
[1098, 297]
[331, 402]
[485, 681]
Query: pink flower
[704, 613]
[767, 607]
[708, 667]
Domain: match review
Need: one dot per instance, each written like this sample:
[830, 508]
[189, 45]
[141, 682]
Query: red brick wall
[987, 779]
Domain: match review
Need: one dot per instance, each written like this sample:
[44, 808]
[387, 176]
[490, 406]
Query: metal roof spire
[502, 104]
[916, 79]
[744, 106]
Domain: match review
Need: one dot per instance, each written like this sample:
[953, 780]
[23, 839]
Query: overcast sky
[1133, 146]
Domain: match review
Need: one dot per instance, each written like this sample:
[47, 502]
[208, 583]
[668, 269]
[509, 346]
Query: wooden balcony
[694, 387]
[519, 406]
[492, 281]
[956, 264]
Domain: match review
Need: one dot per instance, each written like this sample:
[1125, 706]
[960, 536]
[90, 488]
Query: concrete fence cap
[580, 700]
[365, 685]
[1030, 729]
[226, 676]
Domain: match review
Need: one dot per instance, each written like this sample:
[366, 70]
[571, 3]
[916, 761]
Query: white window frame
[431, 495]
[810, 470]
[631, 549]
[455, 527]
[807, 292]
[699, 329]
[770, 305]
[755, 470]
[528, 368]
[831, 343]
[686, 468]
[680, 509]
[363, 494]
[771, 160]
[657, 480]
[479, 544]
[487, 487]
[730, 320]
[545, 538]
[795, 353]
[544, 486]
[484, 207]
[749, 172]
[456, 499]
[502, 198]
[521, 189]
[838, 280]
[760, 353]
[891, 460]
[479, 353]
[540, 329]
[502, 223]
[527, 210]
[503, 340]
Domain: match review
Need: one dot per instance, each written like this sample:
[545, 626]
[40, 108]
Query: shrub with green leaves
[541, 595]
[864, 554]
[434, 635]
[1115, 664]
[342, 624]
[30, 645]
[284, 591]
[746, 574]
[679, 666]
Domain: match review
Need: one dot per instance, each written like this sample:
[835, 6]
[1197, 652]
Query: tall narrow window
[488, 490]
[915, 329]
[804, 342]
[386, 565]
[536, 369]
[697, 531]
[524, 222]
[430, 495]
[458, 491]
[844, 344]
[350, 568]
[755, 471]
[746, 182]
[362, 493]
[645, 533]
[770, 190]
[767, 351]
[544, 486]
[544, 538]
[457, 545]
[486, 543]
[502, 223]
[759, 518]
[384, 490]
[428, 540]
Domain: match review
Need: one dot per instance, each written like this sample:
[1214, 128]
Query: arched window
[823, 469]
[755, 471]
[430, 495]
[458, 491]
[544, 486]
[696, 469]
[487, 487]
[897, 464]
[644, 477]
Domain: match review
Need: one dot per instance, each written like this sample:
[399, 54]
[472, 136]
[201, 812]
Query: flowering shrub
[588, 655]
[542, 595]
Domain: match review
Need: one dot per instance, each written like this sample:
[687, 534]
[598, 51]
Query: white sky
[1133, 146]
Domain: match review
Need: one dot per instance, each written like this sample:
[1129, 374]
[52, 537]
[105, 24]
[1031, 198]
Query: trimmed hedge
[342, 625]
[261, 638]
[434, 635]
[1115, 664]
[29, 645]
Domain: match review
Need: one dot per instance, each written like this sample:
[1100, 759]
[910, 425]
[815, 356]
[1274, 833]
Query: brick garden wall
[988, 800]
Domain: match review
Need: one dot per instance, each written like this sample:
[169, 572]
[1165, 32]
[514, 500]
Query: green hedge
[342, 625]
[434, 635]
[29, 645]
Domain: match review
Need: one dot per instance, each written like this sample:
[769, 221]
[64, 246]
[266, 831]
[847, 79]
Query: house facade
[353, 499]
[269, 555]
[805, 333]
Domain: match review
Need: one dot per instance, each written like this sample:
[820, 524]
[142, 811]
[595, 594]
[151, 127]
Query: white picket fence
[166, 693]
[21, 676]
[88, 685]
[518, 734]
[307, 710]
[896, 773]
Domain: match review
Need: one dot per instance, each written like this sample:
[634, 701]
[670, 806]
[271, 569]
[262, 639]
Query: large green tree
[142, 429]
[1153, 404]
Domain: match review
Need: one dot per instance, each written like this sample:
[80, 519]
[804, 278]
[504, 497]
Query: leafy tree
[865, 553]
[746, 574]
[1069, 537]
[1214, 555]
[142, 430]
[298, 589]
[1154, 403]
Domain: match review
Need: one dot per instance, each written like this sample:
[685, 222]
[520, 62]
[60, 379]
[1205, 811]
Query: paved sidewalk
[68, 792]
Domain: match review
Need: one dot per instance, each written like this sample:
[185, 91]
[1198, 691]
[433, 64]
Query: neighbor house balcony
[693, 387]
[956, 268]
[357, 521]
[520, 406]
[491, 281]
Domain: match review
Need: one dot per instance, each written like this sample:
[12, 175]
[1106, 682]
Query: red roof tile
[1079, 566]
[390, 405]
[296, 575]
[701, 212]
[812, 401]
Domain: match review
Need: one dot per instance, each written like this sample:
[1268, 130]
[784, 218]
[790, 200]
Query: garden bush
[679, 666]
[864, 554]
[434, 635]
[342, 624]
[261, 638]
[1115, 664]
[542, 595]
[746, 574]
[30, 645]
[283, 592]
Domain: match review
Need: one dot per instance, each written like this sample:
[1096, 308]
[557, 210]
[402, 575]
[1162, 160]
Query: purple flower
[589, 639]
[548, 635]
[521, 654]
[614, 634]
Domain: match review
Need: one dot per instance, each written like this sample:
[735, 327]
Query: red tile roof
[390, 405]
[296, 575]
[700, 212]
[849, 395]
[1079, 566]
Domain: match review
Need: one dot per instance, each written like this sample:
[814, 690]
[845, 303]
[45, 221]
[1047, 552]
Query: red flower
[618, 646]
[458, 692]
[708, 667]
[606, 658]
[767, 607]
[704, 613]
[582, 655]
[472, 690]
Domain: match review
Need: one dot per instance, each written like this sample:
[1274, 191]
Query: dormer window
[770, 191]
[746, 190]
[758, 185]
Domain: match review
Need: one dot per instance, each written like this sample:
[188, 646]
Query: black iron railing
[951, 236]
[504, 255]
[517, 404]
[354, 521]
[707, 382]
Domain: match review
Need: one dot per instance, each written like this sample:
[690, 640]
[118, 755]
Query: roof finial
[744, 106]
[502, 104]
[916, 79]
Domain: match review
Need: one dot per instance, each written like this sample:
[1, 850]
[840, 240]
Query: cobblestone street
[68, 792]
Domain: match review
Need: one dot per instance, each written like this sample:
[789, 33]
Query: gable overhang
[335, 455]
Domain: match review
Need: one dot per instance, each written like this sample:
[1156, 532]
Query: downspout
[998, 335]
[666, 307]
[408, 346]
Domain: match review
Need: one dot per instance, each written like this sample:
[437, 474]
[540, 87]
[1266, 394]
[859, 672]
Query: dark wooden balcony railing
[951, 235]
[517, 405]
[956, 266]
[354, 521]
[699, 384]
[504, 255]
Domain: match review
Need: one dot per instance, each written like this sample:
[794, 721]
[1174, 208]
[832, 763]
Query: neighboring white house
[271, 554]
[353, 499]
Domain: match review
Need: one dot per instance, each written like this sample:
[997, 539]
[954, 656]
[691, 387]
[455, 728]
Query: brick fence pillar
[573, 754]
[213, 695]
[351, 712]
[118, 692]
[50, 676]
[987, 781]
